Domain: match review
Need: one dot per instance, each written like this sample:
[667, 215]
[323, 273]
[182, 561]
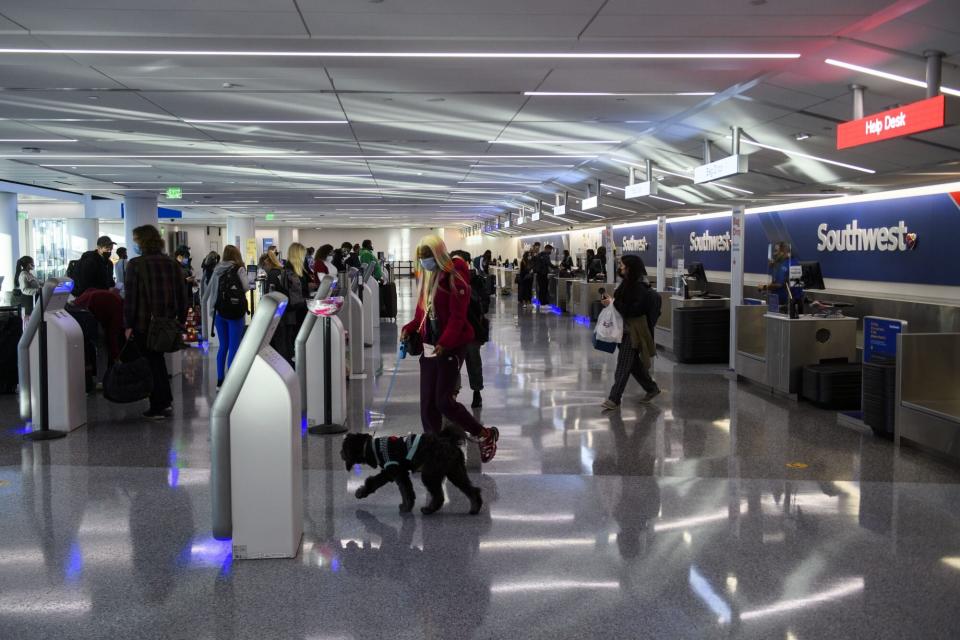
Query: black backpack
[231, 298]
[476, 316]
[73, 269]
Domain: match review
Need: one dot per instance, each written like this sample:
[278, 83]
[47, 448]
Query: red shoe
[488, 444]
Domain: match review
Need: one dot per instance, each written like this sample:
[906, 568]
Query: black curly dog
[435, 456]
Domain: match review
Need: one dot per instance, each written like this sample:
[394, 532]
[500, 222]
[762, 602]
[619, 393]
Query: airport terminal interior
[745, 211]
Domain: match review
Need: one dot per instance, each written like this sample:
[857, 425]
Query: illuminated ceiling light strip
[726, 186]
[99, 166]
[888, 76]
[37, 140]
[287, 156]
[410, 54]
[498, 182]
[611, 206]
[797, 154]
[196, 121]
[616, 93]
[668, 200]
[152, 182]
[552, 585]
[554, 141]
[586, 213]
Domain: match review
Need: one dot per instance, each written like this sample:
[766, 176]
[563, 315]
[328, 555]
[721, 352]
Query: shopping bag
[130, 378]
[609, 325]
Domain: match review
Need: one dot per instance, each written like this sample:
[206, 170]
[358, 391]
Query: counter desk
[773, 349]
[699, 328]
[583, 293]
[564, 292]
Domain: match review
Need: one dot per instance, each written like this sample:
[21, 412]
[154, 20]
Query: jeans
[630, 362]
[161, 397]
[474, 366]
[439, 377]
[230, 332]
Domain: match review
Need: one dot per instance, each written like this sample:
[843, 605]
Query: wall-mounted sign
[724, 168]
[641, 189]
[560, 210]
[535, 216]
[174, 193]
[707, 242]
[590, 203]
[893, 123]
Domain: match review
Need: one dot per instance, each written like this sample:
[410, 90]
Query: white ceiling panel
[697, 10]
[430, 108]
[226, 105]
[611, 25]
[429, 25]
[454, 7]
[432, 76]
[188, 75]
[159, 21]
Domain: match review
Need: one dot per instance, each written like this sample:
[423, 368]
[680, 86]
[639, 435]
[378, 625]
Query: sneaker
[488, 444]
[609, 405]
[158, 414]
[649, 396]
[477, 400]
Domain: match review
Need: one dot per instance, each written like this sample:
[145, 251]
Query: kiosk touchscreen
[256, 465]
[65, 362]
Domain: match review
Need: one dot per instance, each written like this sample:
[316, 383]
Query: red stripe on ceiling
[880, 18]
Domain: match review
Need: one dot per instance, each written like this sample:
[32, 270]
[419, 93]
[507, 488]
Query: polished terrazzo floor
[680, 520]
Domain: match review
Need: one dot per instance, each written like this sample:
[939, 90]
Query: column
[241, 233]
[611, 248]
[285, 238]
[137, 211]
[737, 234]
[83, 234]
[661, 253]
[9, 239]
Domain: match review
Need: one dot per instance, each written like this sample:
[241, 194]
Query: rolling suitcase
[11, 328]
[388, 301]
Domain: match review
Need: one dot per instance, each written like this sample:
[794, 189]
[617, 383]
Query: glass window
[49, 242]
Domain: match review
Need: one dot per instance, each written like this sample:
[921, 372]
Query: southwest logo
[911, 240]
[856, 238]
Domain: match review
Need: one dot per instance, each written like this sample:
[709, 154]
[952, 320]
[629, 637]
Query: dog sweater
[394, 450]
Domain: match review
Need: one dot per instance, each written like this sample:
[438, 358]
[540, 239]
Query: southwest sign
[903, 121]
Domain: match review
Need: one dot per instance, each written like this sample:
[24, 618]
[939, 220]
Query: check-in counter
[564, 291]
[794, 343]
[928, 392]
[663, 332]
[700, 329]
[583, 293]
[751, 360]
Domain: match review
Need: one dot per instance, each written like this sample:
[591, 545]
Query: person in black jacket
[291, 281]
[95, 270]
[632, 299]
[542, 267]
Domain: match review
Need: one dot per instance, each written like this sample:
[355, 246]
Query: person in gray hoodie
[230, 309]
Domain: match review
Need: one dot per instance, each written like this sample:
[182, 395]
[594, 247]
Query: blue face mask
[136, 249]
[430, 264]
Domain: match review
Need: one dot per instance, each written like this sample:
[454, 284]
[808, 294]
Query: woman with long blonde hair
[441, 323]
[291, 281]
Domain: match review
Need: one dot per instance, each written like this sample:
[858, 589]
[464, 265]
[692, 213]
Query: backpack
[656, 302]
[476, 316]
[231, 298]
[73, 269]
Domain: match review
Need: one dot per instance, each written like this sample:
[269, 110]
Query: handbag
[414, 344]
[164, 335]
[130, 378]
[603, 345]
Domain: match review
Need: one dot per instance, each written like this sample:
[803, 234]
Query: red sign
[902, 121]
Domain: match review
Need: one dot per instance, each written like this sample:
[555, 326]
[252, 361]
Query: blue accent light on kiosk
[280, 309]
[210, 552]
[173, 472]
[74, 568]
[64, 287]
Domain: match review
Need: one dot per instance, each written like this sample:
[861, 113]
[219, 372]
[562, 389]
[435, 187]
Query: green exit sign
[271, 216]
[174, 193]
[21, 215]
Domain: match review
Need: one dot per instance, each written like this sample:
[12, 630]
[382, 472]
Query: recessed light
[888, 76]
[526, 55]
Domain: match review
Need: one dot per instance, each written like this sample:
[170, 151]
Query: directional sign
[903, 121]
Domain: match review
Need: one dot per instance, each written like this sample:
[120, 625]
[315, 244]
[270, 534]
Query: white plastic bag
[609, 325]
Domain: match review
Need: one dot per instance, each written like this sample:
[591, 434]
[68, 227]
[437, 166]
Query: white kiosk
[321, 362]
[66, 389]
[256, 464]
[354, 315]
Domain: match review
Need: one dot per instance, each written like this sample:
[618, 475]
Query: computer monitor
[696, 277]
[811, 276]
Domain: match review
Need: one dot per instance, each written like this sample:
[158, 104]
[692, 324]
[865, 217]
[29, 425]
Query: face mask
[430, 264]
[184, 262]
[136, 249]
[108, 254]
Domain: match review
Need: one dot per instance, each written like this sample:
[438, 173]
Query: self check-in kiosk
[64, 366]
[256, 465]
[370, 307]
[354, 316]
[321, 362]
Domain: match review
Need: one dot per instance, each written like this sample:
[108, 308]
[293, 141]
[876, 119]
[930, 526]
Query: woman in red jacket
[441, 321]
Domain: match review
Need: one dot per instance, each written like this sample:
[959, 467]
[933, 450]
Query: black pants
[630, 362]
[474, 366]
[161, 397]
[543, 289]
[439, 377]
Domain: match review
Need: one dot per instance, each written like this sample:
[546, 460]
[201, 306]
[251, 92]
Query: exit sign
[271, 216]
[894, 123]
[174, 193]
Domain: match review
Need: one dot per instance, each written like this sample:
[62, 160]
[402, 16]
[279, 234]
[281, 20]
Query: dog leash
[401, 354]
